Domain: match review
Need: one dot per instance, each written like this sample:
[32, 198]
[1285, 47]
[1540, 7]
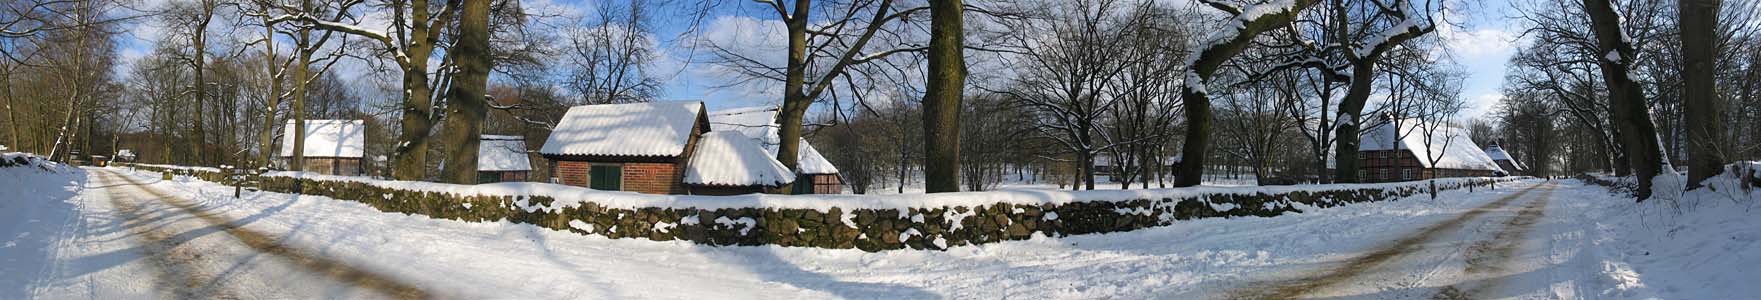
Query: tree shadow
[769, 266]
[36, 217]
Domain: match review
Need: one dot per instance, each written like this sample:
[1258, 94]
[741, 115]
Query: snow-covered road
[128, 235]
[136, 241]
[1469, 256]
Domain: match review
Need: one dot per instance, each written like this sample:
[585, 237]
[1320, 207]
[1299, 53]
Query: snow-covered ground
[1587, 244]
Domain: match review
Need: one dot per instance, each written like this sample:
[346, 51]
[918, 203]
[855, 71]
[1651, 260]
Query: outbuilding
[1504, 160]
[502, 158]
[815, 174]
[333, 147]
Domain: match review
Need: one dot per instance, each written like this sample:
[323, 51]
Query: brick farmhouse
[1410, 149]
[657, 148]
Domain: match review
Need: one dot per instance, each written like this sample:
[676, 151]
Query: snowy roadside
[1703, 246]
[522, 261]
[36, 209]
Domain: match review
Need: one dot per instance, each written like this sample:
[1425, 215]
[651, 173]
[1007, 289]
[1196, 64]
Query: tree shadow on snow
[769, 266]
[31, 228]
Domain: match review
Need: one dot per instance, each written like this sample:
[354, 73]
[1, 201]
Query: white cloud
[1479, 43]
[1480, 104]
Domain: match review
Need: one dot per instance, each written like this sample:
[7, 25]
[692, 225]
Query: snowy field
[65, 235]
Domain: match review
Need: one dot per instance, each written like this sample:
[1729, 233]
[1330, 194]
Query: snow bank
[35, 208]
[1701, 246]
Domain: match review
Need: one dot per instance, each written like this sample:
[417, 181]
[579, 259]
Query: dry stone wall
[836, 228]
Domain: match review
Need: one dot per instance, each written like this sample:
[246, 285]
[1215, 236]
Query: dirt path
[180, 272]
[1482, 256]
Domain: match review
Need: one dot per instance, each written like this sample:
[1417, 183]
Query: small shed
[502, 158]
[1504, 160]
[640, 147]
[125, 155]
[333, 147]
[729, 163]
[760, 123]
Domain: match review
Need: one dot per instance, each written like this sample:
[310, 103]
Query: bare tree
[1626, 97]
[415, 32]
[1230, 38]
[1705, 112]
[610, 57]
[820, 51]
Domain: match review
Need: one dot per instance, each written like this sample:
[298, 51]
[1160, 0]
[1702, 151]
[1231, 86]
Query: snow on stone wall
[868, 223]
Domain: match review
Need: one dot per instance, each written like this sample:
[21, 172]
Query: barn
[1504, 160]
[1400, 150]
[333, 147]
[817, 174]
[656, 148]
[502, 158]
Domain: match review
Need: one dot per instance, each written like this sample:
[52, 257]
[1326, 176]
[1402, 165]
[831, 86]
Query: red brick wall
[572, 172]
[824, 183]
[1386, 166]
[652, 178]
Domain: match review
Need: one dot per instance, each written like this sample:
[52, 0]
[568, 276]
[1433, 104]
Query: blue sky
[1481, 46]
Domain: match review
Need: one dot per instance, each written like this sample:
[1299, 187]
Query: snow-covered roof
[659, 128]
[760, 123]
[502, 153]
[1497, 153]
[328, 138]
[1451, 146]
[727, 158]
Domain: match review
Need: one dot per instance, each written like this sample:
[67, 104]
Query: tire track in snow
[1365, 263]
[175, 273]
[1488, 257]
[339, 271]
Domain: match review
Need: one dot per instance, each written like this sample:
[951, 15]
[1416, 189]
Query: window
[1405, 174]
[1361, 174]
[606, 177]
[1382, 174]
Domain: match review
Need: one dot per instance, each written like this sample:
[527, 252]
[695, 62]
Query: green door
[606, 177]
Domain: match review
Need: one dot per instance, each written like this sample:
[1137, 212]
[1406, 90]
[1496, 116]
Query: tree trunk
[941, 100]
[12, 124]
[1198, 103]
[1704, 111]
[76, 86]
[411, 151]
[795, 100]
[200, 61]
[410, 155]
[273, 101]
[298, 163]
[464, 97]
[1626, 99]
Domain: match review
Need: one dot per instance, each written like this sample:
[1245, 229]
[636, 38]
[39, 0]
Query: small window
[1382, 174]
[606, 177]
[1361, 174]
[1405, 174]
